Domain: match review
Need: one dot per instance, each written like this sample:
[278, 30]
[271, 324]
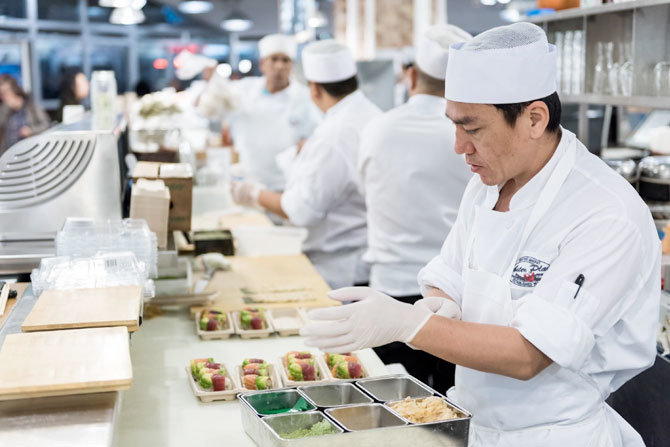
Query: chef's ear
[538, 113]
[315, 91]
[412, 75]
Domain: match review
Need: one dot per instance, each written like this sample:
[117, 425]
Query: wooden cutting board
[84, 308]
[269, 282]
[75, 361]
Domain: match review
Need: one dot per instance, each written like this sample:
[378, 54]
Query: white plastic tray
[281, 319]
[253, 333]
[274, 375]
[361, 362]
[211, 396]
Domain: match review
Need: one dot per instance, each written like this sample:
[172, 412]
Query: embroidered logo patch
[528, 271]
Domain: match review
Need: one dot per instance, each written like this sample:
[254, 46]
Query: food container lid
[626, 168]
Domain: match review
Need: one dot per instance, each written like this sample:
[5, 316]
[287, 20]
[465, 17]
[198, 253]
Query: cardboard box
[150, 200]
[178, 177]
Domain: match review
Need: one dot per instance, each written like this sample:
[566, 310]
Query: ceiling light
[488, 2]
[195, 7]
[126, 16]
[237, 22]
[504, 2]
[136, 4]
[510, 15]
[317, 19]
[244, 66]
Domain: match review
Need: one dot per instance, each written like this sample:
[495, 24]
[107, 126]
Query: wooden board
[75, 361]
[20, 288]
[85, 308]
[289, 281]
[232, 221]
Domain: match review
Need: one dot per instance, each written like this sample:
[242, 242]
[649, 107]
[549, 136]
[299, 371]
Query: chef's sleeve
[322, 180]
[564, 321]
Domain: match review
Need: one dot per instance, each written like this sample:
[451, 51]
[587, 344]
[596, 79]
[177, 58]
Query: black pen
[579, 281]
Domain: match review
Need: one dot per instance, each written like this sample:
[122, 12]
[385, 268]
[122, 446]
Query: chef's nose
[463, 145]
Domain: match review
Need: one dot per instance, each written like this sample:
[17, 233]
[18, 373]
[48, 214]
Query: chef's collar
[428, 103]
[530, 192]
[342, 103]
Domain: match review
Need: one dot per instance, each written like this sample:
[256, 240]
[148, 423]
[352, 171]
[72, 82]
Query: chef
[269, 113]
[407, 160]
[322, 191]
[553, 264]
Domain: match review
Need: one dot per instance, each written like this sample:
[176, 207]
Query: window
[62, 10]
[56, 54]
[111, 57]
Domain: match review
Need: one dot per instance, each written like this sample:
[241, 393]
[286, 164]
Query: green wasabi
[318, 429]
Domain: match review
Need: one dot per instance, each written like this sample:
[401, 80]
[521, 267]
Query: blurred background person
[74, 90]
[20, 117]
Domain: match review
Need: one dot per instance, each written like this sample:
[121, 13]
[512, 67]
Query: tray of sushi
[396, 410]
[257, 374]
[344, 366]
[302, 368]
[211, 380]
[213, 324]
[253, 322]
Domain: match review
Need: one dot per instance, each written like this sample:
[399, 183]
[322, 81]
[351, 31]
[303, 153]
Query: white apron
[505, 408]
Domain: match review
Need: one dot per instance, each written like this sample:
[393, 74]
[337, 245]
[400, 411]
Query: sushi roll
[253, 319]
[334, 359]
[254, 382]
[197, 365]
[301, 372]
[245, 362]
[347, 370]
[259, 369]
[212, 320]
[299, 355]
[219, 382]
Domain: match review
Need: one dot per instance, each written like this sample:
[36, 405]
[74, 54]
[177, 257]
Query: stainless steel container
[626, 168]
[385, 389]
[365, 417]
[263, 429]
[267, 403]
[334, 395]
[281, 424]
[655, 179]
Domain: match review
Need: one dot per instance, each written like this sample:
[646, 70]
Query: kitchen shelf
[573, 13]
[655, 102]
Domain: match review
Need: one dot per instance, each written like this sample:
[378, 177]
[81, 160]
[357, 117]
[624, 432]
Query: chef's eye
[471, 131]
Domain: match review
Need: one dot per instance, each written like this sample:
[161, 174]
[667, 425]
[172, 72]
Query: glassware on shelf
[577, 63]
[566, 77]
[662, 78]
[612, 70]
[559, 60]
[626, 69]
[600, 74]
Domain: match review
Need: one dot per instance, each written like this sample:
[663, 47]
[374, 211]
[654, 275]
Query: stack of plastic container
[101, 270]
[82, 237]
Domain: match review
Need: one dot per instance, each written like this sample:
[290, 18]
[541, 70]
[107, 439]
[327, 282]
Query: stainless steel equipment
[71, 171]
[655, 179]
[362, 423]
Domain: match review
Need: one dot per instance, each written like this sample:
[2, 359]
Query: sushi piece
[299, 355]
[301, 372]
[334, 359]
[218, 382]
[253, 319]
[197, 365]
[205, 381]
[259, 369]
[245, 362]
[347, 370]
[254, 382]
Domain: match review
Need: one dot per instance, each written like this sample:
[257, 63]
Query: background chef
[266, 114]
[406, 161]
[322, 190]
[554, 262]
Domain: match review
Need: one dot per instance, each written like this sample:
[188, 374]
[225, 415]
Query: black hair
[340, 89]
[429, 83]
[512, 111]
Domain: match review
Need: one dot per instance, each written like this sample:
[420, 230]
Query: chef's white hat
[433, 49]
[190, 65]
[327, 61]
[277, 43]
[504, 65]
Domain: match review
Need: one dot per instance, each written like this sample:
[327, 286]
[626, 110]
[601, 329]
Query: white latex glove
[246, 193]
[441, 306]
[375, 319]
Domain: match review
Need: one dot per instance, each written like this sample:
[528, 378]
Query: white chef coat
[267, 123]
[322, 192]
[597, 226]
[413, 183]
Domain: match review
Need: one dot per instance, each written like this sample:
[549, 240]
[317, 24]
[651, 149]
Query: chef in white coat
[547, 288]
[272, 112]
[407, 160]
[322, 191]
